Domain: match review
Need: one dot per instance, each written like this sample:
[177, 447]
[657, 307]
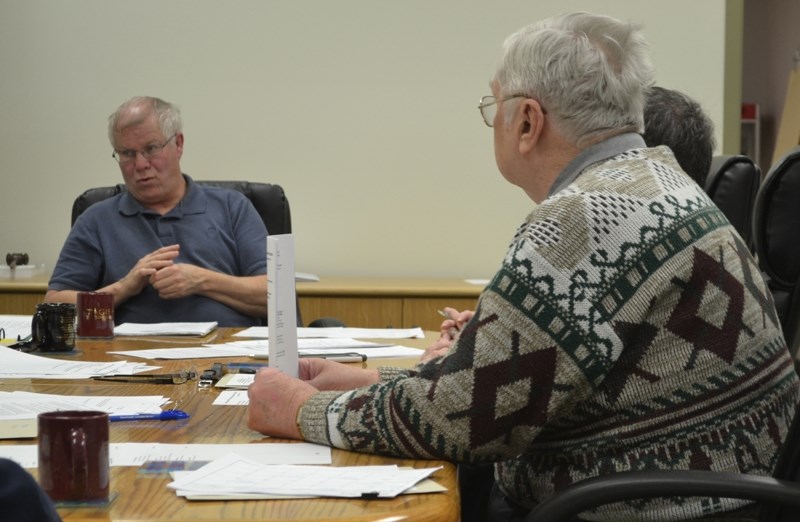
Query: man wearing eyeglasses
[166, 248]
[627, 327]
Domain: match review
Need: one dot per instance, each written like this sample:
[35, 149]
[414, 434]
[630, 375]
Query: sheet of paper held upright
[282, 304]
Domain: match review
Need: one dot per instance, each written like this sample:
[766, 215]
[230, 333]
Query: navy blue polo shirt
[216, 228]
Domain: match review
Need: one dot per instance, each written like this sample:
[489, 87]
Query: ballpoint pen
[164, 415]
[340, 357]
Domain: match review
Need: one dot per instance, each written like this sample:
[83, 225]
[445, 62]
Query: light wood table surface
[139, 496]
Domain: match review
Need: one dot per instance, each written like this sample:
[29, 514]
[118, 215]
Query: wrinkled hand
[323, 374]
[437, 349]
[139, 276]
[275, 399]
[448, 333]
[177, 280]
[451, 327]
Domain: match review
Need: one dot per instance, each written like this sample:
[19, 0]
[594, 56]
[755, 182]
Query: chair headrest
[732, 183]
[269, 200]
[776, 221]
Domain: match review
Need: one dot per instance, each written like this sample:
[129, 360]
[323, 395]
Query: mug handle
[39, 328]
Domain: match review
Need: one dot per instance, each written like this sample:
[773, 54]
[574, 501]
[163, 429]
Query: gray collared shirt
[593, 154]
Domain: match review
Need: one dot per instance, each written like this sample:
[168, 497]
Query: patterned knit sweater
[628, 328]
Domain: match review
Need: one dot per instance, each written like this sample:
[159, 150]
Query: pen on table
[340, 357]
[245, 367]
[164, 415]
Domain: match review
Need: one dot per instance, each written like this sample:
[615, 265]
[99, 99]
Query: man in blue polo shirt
[166, 248]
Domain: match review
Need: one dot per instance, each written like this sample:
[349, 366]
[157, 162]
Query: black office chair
[269, 200]
[778, 496]
[776, 231]
[732, 183]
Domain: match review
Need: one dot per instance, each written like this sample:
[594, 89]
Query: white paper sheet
[232, 398]
[262, 332]
[136, 454]
[249, 348]
[234, 474]
[27, 405]
[186, 328]
[16, 326]
[16, 365]
[282, 303]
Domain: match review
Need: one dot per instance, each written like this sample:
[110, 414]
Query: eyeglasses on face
[488, 107]
[149, 152]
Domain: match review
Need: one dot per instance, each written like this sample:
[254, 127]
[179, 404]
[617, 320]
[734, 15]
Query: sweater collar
[593, 154]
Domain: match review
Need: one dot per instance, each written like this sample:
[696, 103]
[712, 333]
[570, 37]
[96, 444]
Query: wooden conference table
[139, 496]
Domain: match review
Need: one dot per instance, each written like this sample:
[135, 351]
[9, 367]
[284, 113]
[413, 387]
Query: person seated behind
[674, 119]
[626, 328]
[21, 498]
[166, 248]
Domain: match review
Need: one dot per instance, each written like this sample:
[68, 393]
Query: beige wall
[364, 110]
[770, 43]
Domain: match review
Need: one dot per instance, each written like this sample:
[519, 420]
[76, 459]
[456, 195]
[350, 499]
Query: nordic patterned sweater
[628, 328]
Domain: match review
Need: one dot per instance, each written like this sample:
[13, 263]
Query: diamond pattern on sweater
[721, 336]
[751, 282]
[636, 338]
[493, 384]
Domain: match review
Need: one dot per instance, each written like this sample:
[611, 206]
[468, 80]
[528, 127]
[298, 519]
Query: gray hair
[169, 116]
[589, 72]
[674, 119]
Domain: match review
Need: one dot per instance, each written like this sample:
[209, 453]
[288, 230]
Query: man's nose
[141, 162]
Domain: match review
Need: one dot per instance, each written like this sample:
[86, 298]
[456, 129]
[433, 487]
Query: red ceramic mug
[73, 455]
[95, 314]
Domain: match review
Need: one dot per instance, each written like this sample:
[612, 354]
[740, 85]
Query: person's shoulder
[101, 210]
[223, 194]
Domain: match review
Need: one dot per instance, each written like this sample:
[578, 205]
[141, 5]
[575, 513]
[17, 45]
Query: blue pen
[164, 415]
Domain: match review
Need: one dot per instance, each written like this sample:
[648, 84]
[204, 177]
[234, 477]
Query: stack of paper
[235, 476]
[15, 326]
[19, 409]
[17, 365]
[334, 332]
[250, 348]
[139, 453]
[199, 328]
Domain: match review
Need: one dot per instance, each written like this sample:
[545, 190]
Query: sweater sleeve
[487, 399]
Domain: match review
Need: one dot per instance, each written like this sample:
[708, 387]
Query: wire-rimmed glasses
[149, 152]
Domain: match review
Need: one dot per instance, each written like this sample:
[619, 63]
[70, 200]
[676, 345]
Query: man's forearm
[247, 294]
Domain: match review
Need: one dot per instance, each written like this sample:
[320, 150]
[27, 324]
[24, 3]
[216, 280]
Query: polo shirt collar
[193, 202]
[594, 154]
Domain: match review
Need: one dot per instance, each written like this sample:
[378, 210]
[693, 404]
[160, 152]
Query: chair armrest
[599, 491]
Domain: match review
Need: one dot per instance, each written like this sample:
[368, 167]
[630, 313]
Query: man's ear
[531, 124]
[179, 143]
